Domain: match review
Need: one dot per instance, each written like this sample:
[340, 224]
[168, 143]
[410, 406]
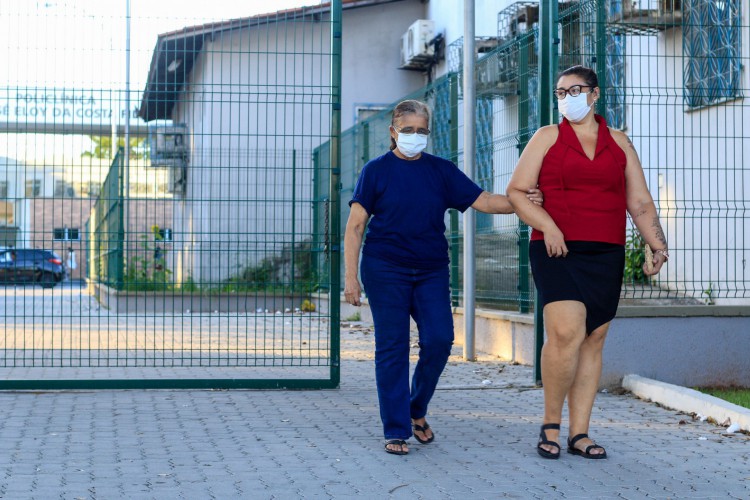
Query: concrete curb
[687, 400]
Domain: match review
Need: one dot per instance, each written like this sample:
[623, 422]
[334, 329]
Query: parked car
[21, 265]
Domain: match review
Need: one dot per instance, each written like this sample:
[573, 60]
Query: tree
[103, 147]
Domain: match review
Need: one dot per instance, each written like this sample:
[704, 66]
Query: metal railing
[685, 113]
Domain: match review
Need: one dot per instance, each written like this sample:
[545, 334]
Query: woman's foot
[422, 431]
[548, 446]
[396, 446]
[584, 446]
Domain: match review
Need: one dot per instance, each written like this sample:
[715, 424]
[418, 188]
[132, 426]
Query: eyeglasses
[574, 90]
[411, 130]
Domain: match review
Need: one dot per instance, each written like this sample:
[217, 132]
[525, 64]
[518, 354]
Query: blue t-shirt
[407, 200]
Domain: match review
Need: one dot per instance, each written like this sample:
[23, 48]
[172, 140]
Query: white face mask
[575, 108]
[411, 145]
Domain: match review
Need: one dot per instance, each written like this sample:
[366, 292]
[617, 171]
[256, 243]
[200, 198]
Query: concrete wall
[687, 351]
[371, 56]
[685, 345]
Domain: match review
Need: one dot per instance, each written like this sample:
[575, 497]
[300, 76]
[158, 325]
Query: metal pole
[601, 57]
[126, 173]
[335, 191]
[454, 231]
[548, 45]
[470, 111]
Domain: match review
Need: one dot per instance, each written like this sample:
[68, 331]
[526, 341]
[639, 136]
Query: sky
[80, 45]
[82, 42]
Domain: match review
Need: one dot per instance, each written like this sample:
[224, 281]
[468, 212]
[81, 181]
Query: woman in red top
[590, 175]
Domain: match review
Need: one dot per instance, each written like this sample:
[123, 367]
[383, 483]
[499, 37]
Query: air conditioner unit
[416, 50]
[168, 143]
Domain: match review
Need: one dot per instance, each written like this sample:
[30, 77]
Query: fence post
[454, 213]
[470, 104]
[548, 45]
[335, 190]
[523, 139]
[294, 220]
[601, 56]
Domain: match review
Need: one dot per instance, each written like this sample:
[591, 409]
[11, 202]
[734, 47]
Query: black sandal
[585, 453]
[543, 440]
[397, 442]
[422, 429]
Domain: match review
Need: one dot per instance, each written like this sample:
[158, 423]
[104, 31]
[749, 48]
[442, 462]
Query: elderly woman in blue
[404, 195]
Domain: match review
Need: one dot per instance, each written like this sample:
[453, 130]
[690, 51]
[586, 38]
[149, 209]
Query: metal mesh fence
[163, 175]
[672, 77]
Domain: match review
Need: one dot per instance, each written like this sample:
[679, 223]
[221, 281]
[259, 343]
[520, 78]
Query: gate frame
[333, 381]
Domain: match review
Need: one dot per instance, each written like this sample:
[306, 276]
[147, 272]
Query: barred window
[615, 89]
[33, 188]
[66, 234]
[164, 235]
[711, 44]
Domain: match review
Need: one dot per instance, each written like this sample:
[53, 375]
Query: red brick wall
[50, 213]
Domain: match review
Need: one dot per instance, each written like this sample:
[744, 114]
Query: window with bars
[711, 46]
[164, 235]
[66, 234]
[63, 189]
[3, 190]
[615, 88]
[33, 188]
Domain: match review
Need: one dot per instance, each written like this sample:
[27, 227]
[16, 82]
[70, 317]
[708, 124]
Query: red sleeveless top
[585, 198]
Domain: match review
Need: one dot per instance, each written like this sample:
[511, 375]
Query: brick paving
[327, 444]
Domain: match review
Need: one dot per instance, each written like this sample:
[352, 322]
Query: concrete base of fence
[120, 302]
[687, 400]
[683, 345]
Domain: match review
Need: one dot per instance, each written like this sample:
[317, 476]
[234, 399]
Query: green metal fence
[106, 230]
[171, 162]
[672, 77]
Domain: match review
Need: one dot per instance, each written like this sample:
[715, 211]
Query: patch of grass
[736, 395]
[354, 317]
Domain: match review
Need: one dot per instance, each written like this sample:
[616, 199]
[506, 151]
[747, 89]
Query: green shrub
[635, 257]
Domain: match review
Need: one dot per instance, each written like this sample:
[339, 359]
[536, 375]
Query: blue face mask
[411, 145]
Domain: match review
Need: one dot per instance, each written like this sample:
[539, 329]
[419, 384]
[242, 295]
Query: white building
[253, 95]
[678, 78]
[14, 205]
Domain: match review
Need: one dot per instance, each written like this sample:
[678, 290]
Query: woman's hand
[535, 196]
[555, 242]
[658, 261]
[353, 292]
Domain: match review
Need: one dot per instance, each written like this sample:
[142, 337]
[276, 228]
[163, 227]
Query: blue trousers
[394, 294]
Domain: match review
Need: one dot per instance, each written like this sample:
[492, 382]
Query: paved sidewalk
[328, 444]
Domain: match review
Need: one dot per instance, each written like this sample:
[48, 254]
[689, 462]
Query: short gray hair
[409, 107]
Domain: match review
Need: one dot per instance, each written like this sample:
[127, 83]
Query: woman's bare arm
[525, 177]
[491, 203]
[355, 230]
[640, 203]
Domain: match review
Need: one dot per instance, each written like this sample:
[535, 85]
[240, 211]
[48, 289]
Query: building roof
[176, 51]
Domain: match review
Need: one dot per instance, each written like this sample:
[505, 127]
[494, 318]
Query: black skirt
[591, 273]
